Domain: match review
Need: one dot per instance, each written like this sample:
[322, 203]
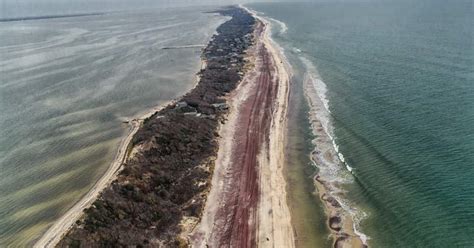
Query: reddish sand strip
[246, 206]
[235, 218]
[251, 132]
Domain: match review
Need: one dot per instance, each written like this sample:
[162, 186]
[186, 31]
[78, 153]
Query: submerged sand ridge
[246, 206]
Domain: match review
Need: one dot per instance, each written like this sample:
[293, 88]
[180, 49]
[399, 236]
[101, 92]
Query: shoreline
[324, 156]
[60, 227]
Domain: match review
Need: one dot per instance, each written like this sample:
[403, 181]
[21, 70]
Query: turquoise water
[66, 85]
[400, 88]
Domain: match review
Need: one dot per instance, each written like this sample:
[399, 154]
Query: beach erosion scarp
[162, 187]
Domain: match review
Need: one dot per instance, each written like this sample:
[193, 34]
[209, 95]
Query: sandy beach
[247, 206]
[274, 216]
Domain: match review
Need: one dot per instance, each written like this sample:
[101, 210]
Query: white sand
[274, 219]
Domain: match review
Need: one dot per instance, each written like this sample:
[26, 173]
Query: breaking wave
[283, 27]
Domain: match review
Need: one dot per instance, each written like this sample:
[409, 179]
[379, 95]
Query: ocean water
[397, 82]
[66, 85]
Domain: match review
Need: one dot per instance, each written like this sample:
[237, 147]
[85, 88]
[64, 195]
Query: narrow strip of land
[247, 203]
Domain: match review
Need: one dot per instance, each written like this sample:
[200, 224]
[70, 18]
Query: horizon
[36, 8]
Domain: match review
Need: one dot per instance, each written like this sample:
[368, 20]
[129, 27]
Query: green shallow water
[400, 81]
[308, 217]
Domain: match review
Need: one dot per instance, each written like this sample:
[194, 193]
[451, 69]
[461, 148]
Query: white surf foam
[283, 26]
[349, 168]
[332, 165]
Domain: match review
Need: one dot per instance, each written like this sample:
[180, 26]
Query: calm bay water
[400, 85]
[66, 85]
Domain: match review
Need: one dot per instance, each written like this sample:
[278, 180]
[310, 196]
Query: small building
[181, 104]
[220, 106]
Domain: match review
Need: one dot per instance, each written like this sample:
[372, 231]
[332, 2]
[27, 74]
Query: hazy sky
[6, 3]
[16, 8]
